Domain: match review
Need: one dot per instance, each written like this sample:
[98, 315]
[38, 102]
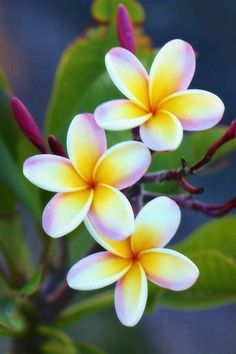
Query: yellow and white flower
[88, 183]
[159, 103]
[134, 260]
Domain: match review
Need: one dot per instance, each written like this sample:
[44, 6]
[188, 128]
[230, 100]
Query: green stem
[91, 305]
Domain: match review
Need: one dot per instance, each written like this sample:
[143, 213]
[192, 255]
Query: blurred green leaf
[210, 248]
[13, 140]
[216, 235]
[79, 68]
[8, 201]
[83, 308]
[11, 322]
[105, 10]
[4, 84]
[87, 348]
[80, 242]
[16, 182]
[58, 343]
[14, 248]
[9, 132]
[32, 285]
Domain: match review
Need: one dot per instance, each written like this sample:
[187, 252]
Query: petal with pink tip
[120, 115]
[65, 211]
[52, 173]
[169, 269]
[172, 70]
[123, 164]
[97, 270]
[163, 132]
[86, 142]
[129, 75]
[118, 248]
[111, 213]
[196, 109]
[131, 295]
[155, 224]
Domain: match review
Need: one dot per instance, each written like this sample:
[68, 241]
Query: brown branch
[230, 134]
[184, 171]
[189, 188]
[186, 201]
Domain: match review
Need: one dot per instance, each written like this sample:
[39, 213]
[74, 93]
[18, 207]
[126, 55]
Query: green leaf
[32, 285]
[87, 348]
[105, 10]
[11, 322]
[210, 248]
[83, 308]
[8, 201]
[80, 242]
[58, 343]
[15, 181]
[9, 132]
[79, 68]
[4, 84]
[216, 235]
[14, 248]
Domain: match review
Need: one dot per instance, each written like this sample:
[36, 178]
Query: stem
[189, 188]
[58, 296]
[135, 133]
[91, 305]
[230, 134]
[178, 174]
[186, 201]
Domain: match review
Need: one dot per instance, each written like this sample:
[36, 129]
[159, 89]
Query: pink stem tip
[27, 124]
[125, 29]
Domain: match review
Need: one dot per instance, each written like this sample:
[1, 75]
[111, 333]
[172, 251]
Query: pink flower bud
[27, 124]
[55, 145]
[124, 29]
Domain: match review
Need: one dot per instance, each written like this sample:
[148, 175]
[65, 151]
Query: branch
[186, 201]
[189, 188]
[178, 174]
[230, 134]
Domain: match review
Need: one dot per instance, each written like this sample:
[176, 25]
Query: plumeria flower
[159, 103]
[134, 260]
[88, 183]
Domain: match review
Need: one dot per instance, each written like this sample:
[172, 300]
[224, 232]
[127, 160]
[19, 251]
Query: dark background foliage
[33, 34]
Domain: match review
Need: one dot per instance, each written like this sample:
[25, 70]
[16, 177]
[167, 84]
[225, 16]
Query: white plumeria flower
[134, 260]
[88, 183]
[159, 103]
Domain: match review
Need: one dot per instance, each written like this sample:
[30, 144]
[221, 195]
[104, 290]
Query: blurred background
[33, 35]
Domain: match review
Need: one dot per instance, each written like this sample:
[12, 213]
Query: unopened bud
[27, 124]
[125, 29]
[55, 145]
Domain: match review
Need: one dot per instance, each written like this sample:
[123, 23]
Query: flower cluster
[88, 183]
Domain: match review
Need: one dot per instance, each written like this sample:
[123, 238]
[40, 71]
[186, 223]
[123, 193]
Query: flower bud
[124, 29]
[55, 145]
[27, 124]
